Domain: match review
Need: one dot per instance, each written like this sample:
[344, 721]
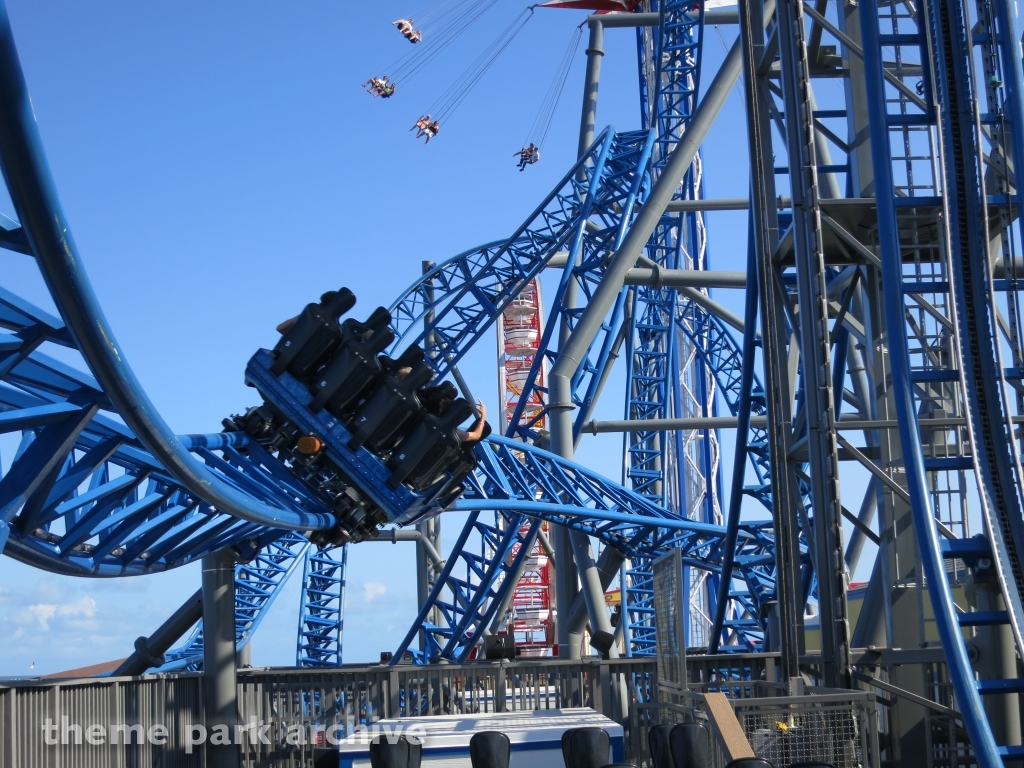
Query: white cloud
[41, 612]
[373, 589]
[83, 606]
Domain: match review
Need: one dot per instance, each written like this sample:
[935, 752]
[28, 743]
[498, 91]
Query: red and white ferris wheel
[519, 333]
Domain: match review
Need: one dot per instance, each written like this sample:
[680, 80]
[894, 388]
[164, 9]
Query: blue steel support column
[739, 464]
[49, 235]
[959, 665]
[322, 609]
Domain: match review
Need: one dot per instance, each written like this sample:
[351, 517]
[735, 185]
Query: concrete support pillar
[243, 658]
[219, 671]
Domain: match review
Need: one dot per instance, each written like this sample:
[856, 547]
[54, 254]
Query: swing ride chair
[449, 25]
[405, 26]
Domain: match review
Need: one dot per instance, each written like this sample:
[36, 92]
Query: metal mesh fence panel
[668, 612]
[820, 735]
[835, 729]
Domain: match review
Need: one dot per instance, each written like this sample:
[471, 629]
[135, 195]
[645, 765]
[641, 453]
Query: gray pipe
[394, 535]
[828, 186]
[220, 684]
[591, 84]
[613, 20]
[720, 204]
[657, 425]
[608, 565]
[712, 306]
[542, 537]
[691, 278]
[601, 636]
[571, 355]
[712, 16]
[149, 651]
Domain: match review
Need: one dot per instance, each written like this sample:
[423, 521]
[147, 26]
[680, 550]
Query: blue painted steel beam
[48, 235]
[257, 585]
[656, 465]
[322, 612]
[615, 169]
[959, 665]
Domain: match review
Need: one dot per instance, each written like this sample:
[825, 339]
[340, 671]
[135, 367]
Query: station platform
[535, 736]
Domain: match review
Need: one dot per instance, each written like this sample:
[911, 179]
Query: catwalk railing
[352, 695]
[324, 704]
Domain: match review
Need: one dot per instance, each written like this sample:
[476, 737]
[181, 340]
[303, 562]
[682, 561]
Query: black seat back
[461, 468]
[660, 749]
[750, 762]
[378, 318]
[489, 749]
[585, 747]
[313, 337]
[390, 412]
[355, 370]
[690, 745]
[407, 359]
[400, 753]
[812, 764]
[429, 449]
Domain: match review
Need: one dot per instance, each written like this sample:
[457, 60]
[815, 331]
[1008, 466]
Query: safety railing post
[500, 690]
[394, 694]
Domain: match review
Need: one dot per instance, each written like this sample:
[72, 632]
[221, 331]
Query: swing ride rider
[424, 127]
[421, 126]
[405, 27]
[379, 86]
[528, 156]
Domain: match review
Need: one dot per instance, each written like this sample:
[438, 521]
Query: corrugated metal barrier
[96, 721]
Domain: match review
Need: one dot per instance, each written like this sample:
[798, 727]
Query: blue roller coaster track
[929, 366]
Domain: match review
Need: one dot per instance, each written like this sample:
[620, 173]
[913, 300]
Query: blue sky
[221, 167]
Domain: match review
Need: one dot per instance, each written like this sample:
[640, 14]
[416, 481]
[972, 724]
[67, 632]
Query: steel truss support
[665, 377]
[257, 584]
[815, 347]
[457, 319]
[322, 609]
[786, 498]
